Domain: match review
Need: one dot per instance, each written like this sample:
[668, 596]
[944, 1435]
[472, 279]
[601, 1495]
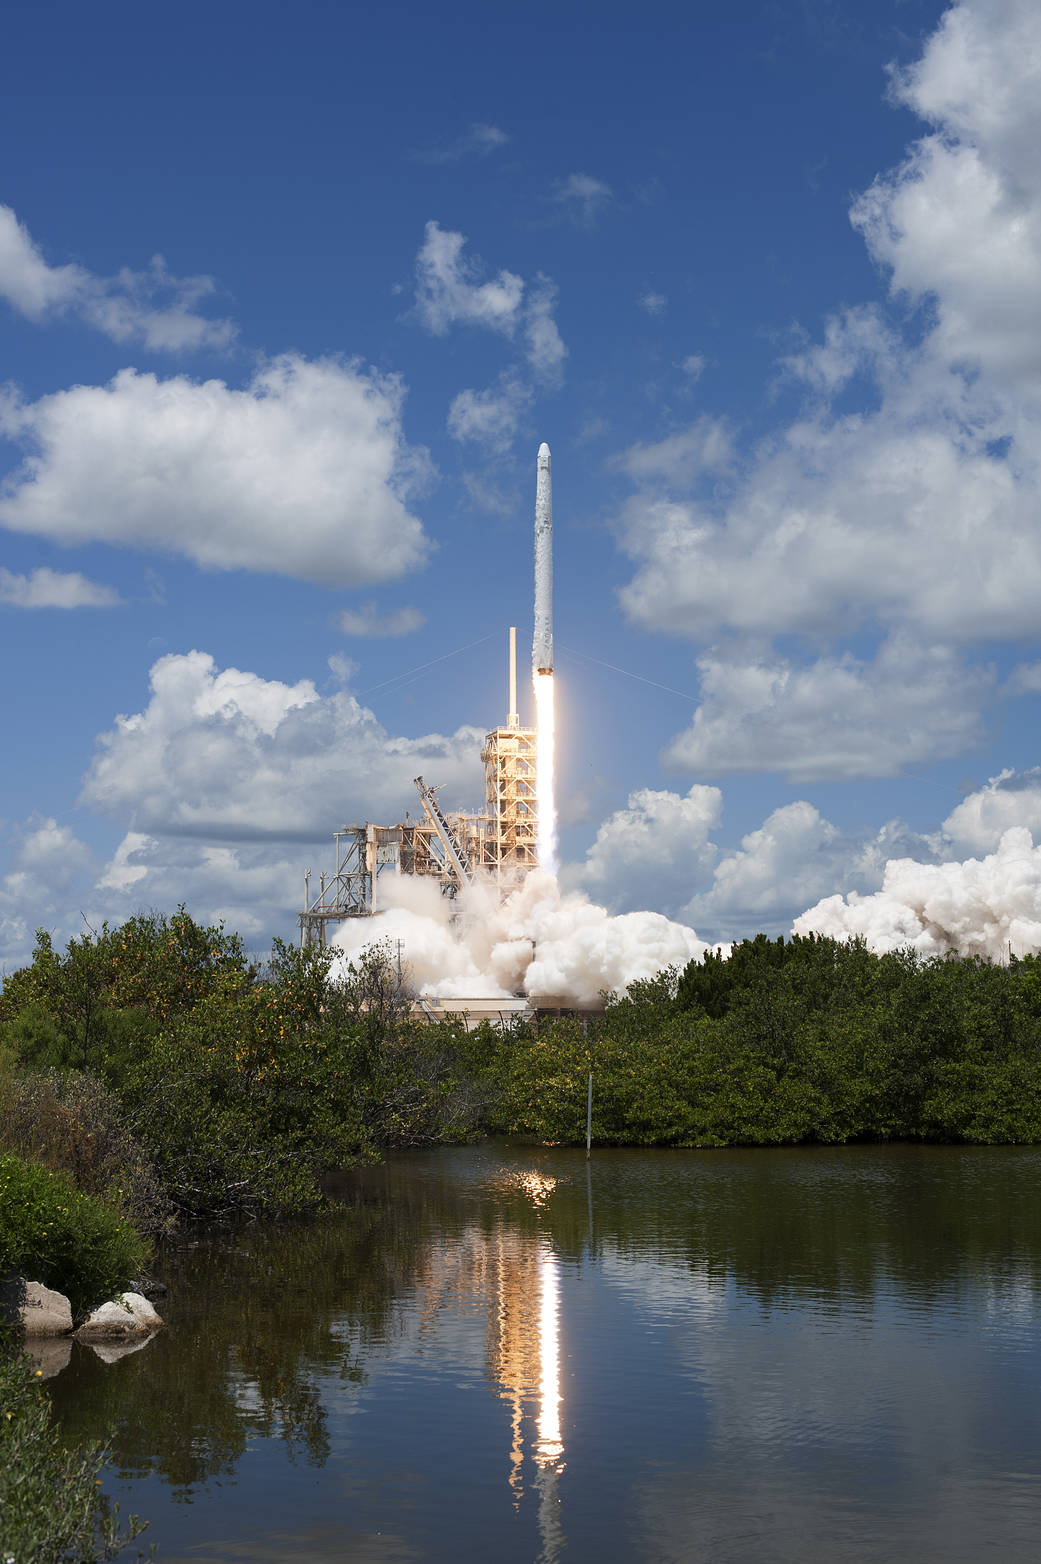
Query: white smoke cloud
[981, 907]
[151, 306]
[305, 472]
[539, 940]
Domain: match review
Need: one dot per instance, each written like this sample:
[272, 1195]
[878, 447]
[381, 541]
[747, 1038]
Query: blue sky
[768, 282]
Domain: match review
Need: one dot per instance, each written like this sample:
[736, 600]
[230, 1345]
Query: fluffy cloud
[152, 306]
[492, 417]
[48, 864]
[305, 472]
[46, 588]
[653, 852]
[889, 515]
[959, 222]
[251, 888]
[657, 852]
[653, 303]
[368, 620]
[583, 198]
[794, 857]
[847, 521]
[450, 292]
[220, 754]
[705, 447]
[1010, 799]
[836, 718]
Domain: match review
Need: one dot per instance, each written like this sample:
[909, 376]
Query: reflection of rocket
[542, 648]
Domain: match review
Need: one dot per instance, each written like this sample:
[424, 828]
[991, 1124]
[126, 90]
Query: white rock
[127, 1315]
[44, 1312]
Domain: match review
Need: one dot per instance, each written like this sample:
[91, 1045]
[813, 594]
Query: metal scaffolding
[451, 847]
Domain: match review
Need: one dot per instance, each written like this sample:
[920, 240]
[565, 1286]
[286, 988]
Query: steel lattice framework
[496, 843]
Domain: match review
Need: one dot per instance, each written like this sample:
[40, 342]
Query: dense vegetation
[167, 1075]
[790, 1041]
[51, 1233]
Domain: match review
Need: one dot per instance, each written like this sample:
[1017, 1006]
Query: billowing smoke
[538, 940]
[982, 907]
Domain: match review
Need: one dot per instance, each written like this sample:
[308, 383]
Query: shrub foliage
[241, 1086]
[51, 1233]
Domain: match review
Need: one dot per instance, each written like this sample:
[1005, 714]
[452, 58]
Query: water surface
[507, 1353]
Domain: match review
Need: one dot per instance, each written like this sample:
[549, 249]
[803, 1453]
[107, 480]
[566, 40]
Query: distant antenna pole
[513, 721]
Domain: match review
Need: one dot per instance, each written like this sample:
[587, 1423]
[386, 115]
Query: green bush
[51, 1233]
[52, 1510]
[72, 1123]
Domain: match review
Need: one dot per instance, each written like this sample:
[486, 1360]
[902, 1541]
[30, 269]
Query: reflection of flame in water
[517, 1275]
[550, 1448]
[537, 1186]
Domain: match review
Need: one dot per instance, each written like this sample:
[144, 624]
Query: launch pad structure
[452, 848]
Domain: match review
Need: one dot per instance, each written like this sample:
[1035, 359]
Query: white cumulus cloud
[223, 754]
[46, 588]
[882, 503]
[304, 472]
[835, 718]
[654, 852]
[152, 306]
[490, 418]
[450, 291]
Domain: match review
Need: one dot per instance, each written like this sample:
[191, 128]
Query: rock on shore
[128, 1315]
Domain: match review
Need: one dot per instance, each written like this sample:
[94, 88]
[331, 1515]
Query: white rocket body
[542, 646]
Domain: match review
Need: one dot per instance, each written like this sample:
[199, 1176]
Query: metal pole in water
[589, 1117]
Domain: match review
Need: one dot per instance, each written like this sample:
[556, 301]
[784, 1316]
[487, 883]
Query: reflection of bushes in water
[924, 1221]
[256, 1316]
[51, 1509]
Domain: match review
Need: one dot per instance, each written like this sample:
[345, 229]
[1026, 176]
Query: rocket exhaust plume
[542, 665]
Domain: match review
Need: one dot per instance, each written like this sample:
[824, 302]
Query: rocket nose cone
[543, 454]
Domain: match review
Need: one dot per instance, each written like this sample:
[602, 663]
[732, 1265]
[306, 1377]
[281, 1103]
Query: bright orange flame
[546, 845]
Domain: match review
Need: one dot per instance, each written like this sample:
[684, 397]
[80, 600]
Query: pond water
[505, 1353]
